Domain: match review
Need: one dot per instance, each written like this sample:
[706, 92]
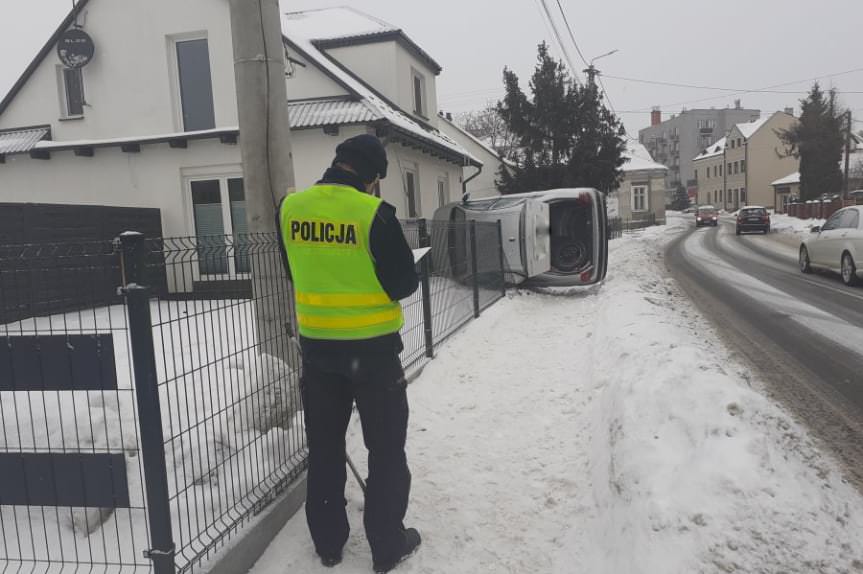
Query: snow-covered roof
[346, 26]
[788, 179]
[20, 141]
[749, 128]
[638, 158]
[714, 150]
[336, 23]
[302, 36]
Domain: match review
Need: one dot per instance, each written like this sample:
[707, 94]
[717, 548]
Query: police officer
[350, 265]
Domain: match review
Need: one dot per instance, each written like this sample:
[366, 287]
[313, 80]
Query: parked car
[557, 237]
[837, 246]
[753, 218]
[706, 215]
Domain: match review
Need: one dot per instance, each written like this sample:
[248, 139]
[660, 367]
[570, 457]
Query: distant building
[709, 173]
[676, 141]
[641, 194]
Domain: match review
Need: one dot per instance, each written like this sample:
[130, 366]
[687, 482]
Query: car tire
[804, 261]
[849, 270]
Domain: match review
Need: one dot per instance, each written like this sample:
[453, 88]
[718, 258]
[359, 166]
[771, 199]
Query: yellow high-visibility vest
[326, 232]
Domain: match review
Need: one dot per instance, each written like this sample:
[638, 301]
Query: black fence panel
[225, 367]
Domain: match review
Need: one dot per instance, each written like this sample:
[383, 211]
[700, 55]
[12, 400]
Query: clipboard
[420, 253]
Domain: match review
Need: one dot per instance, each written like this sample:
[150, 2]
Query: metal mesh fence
[223, 434]
[71, 477]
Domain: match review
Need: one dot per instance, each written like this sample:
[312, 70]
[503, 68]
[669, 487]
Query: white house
[152, 120]
[640, 197]
[483, 182]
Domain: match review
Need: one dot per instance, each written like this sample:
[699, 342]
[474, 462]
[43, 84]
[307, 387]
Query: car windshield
[706, 210]
[753, 212]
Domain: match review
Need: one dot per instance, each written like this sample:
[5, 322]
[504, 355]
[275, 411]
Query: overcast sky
[741, 44]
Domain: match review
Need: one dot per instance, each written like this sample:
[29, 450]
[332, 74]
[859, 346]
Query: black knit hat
[366, 154]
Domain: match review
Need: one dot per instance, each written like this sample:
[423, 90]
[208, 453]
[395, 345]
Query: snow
[714, 150]
[336, 22]
[748, 129]
[788, 179]
[604, 430]
[638, 158]
[223, 406]
[800, 228]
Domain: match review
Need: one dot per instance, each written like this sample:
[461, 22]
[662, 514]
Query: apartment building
[676, 141]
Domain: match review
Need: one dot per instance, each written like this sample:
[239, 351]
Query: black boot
[411, 543]
[330, 560]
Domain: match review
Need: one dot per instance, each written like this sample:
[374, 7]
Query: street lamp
[591, 70]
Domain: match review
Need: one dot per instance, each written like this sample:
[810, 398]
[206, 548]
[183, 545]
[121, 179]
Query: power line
[715, 88]
[571, 34]
[556, 33]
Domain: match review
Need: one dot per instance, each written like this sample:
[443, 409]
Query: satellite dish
[75, 48]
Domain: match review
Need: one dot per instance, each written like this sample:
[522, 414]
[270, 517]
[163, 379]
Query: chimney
[737, 105]
[789, 111]
[655, 117]
[449, 116]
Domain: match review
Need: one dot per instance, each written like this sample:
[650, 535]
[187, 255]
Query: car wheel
[805, 263]
[849, 270]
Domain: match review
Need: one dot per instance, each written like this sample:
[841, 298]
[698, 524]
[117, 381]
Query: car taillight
[697, 219]
[714, 218]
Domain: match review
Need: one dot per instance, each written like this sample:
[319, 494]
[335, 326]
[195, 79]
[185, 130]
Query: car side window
[850, 219]
[833, 222]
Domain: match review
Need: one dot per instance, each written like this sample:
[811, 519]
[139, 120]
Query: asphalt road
[802, 334]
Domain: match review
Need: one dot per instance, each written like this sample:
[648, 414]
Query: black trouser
[330, 384]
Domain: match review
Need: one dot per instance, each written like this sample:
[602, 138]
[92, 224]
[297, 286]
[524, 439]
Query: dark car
[706, 215]
[753, 219]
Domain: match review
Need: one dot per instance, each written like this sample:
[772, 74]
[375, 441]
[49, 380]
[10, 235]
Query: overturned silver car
[555, 238]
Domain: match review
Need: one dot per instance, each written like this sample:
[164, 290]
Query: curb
[242, 552]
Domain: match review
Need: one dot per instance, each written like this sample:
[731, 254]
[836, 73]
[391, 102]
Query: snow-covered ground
[604, 430]
[800, 228]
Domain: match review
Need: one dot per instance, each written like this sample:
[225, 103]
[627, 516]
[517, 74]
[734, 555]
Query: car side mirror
[815, 229]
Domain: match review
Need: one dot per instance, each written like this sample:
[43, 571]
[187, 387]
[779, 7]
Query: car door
[821, 245]
[850, 236]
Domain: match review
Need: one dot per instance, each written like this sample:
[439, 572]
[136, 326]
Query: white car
[837, 246]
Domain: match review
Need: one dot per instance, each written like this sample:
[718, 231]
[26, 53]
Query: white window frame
[418, 204]
[423, 112]
[63, 96]
[645, 199]
[174, 71]
[222, 176]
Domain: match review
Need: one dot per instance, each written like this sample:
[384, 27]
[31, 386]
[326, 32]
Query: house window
[195, 85]
[706, 142]
[739, 142]
[73, 92]
[221, 228]
[736, 166]
[696, 175]
[412, 192]
[442, 192]
[742, 166]
[743, 195]
[639, 198]
[419, 94]
[729, 172]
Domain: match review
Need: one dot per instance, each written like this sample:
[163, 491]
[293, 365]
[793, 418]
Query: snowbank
[605, 431]
[800, 228]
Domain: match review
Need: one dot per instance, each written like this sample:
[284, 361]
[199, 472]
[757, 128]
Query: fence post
[149, 410]
[502, 260]
[474, 268]
[425, 272]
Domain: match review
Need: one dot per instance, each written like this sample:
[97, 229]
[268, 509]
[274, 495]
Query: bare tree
[487, 125]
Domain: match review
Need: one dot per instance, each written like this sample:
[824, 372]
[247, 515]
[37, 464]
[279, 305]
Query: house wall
[374, 63]
[130, 85]
[429, 170]
[405, 63]
[655, 181]
[766, 162]
[710, 187]
[310, 82]
[737, 192]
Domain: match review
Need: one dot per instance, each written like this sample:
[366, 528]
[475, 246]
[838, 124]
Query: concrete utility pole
[847, 155]
[265, 141]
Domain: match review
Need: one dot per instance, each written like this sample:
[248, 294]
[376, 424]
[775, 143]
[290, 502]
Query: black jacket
[394, 267]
